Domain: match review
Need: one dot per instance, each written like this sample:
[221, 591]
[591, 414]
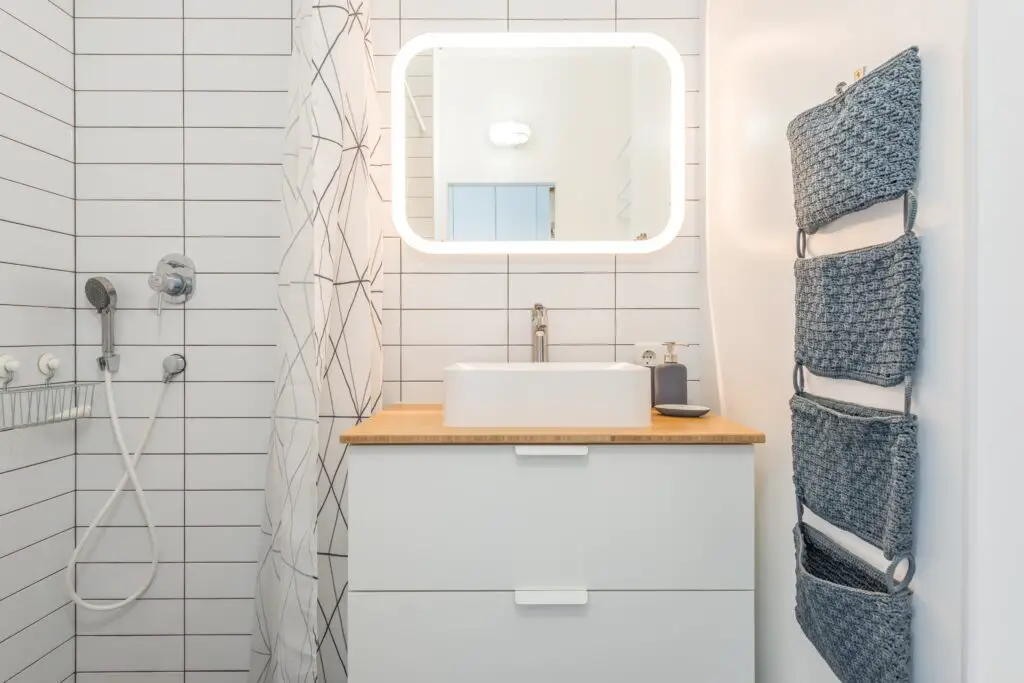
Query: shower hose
[129, 461]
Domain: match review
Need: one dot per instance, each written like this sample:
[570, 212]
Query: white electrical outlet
[648, 354]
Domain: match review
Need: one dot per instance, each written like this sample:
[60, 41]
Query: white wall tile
[427, 363]
[414, 261]
[58, 665]
[133, 677]
[242, 109]
[468, 328]
[545, 263]
[20, 122]
[25, 84]
[135, 181]
[228, 617]
[36, 326]
[659, 9]
[417, 27]
[131, 544]
[128, 145]
[142, 617]
[128, 36]
[220, 580]
[224, 508]
[29, 45]
[220, 544]
[220, 219]
[37, 287]
[237, 290]
[232, 182]
[111, 581]
[454, 291]
[566, 354]
[98, 108]
[210, 471]
[566, 326]
[135, 653]
[95, 436]
[137, 399]
[576, 290]
[166, 507]
[229, 399]
[29, 485]
[120, 72]
[128, 8]
[102, 471]
[234, 72]
[234, 146]
[386, 40]
[232, 363]
[238, 36]
[384, 9]
[33, 563]
[34, 168]
[218, 652]
[46, 18]
[24, 447]
[235, 255]
[682, 255]
[28, 647]
[563, 9]
[454, 9]
[232, 328]
[658, 290]
[33, 524]
[422, 392]
[127, 217]
[123, 254]
[561, 26]
[635, 325]
[31, 207]
[238, 8]
[234, 435]
[687, 35]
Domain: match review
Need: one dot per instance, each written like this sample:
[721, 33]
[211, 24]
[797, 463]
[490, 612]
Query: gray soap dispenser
[670, 379]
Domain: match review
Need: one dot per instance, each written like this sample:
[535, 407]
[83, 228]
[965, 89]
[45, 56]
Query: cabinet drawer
[652, 637]
[487, 518]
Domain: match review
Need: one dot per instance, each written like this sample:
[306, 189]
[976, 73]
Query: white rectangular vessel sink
[547, 395]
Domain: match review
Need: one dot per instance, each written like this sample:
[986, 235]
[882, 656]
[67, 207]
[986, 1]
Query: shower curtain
[329, 300]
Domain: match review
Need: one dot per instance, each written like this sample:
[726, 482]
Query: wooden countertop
[424, 424]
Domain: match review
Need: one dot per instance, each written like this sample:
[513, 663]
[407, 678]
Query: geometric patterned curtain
[330, 291]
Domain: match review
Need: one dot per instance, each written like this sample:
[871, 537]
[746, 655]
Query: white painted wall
[578, 107]
[995, 554]
[766, 63]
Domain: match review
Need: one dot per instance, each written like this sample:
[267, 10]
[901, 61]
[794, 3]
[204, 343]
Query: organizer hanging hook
[890, 573]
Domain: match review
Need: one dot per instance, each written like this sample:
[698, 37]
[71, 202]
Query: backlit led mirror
[538, 143]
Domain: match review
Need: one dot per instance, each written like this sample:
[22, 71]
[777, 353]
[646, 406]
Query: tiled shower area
[133, 129]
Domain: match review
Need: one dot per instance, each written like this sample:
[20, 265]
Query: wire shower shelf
[45, 404]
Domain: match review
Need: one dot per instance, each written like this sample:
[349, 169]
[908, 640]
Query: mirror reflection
[538, 144]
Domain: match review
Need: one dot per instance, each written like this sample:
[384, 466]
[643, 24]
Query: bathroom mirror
[538, 143]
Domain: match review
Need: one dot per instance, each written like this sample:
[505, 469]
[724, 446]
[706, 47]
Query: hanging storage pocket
[852, 613]
[858, 312]
[860, 147]
[855, 467]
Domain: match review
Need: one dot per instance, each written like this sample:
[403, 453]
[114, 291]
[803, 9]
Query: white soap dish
[678, 410]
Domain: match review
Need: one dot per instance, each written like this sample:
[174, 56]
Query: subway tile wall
[37, 264]
[438, 309]
[180, 112]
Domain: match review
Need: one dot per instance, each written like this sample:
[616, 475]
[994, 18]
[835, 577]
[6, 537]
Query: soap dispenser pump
[670, 379]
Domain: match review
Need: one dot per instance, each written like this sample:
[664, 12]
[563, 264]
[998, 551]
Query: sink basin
[547, 395]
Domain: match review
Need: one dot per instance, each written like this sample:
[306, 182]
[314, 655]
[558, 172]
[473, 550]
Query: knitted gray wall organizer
[855, 467]
[860, 147]
[859, 625]
[858, 312]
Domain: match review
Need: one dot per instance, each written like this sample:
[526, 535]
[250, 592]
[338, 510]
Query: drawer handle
[560, 597]
[551, 450]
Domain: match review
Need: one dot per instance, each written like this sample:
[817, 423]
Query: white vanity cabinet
[551, 563]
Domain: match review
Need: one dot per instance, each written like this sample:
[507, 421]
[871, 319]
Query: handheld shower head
[101, 294]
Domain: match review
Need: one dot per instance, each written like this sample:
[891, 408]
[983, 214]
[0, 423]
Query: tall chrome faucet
[540, 334]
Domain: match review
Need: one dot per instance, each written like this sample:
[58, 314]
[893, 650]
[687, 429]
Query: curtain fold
[330, 376]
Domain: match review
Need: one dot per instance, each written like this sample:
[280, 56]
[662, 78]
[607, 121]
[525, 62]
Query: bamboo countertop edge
[412, 424]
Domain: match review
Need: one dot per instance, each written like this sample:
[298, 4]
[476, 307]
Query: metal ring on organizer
[908, 394]
[798, 378]
[909, 211]
[890, 573]
[801, 243]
